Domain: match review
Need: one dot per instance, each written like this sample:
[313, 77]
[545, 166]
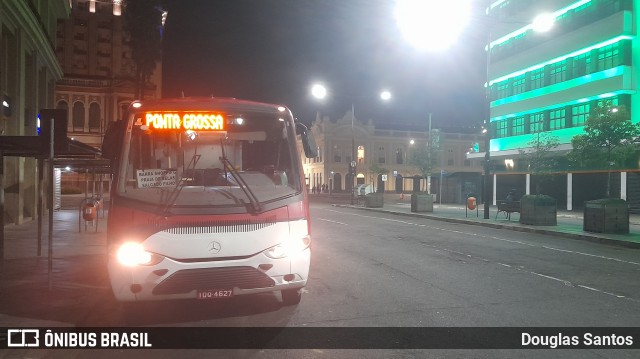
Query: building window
[608, 57]
[519, 84]
[78, 117]
[536, 79]
[581, 65]
[612, 100]
[517, 126]
[360, 154]
[94, 117]
[557, 119]
[450, 157]
[557, 72]
[381, 156]
[502, 128]
[579, 114]
[399, 156]
[536, 122]
[502, 89]
[337, 155]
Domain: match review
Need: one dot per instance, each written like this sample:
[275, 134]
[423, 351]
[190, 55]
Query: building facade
[550, 82]
[389, 150]
[93, 50]
[28, 73]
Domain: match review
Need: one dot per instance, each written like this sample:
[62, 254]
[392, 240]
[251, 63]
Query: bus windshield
[243, 161]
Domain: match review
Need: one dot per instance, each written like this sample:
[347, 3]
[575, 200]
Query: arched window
[381, 156]
[94, 117]
[337, 155]
[78, 117]
[360, 154]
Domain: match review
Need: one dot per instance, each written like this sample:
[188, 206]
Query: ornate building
[389, 151]
[92, 48]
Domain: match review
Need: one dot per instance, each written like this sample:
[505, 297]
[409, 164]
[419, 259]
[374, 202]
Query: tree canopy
[540, 157]
[610, 139]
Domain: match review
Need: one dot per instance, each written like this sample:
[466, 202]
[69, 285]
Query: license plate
[215, 294]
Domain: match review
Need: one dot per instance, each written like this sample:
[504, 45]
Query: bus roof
[207, 103]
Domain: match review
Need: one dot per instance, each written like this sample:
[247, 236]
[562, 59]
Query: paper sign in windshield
[156, 178]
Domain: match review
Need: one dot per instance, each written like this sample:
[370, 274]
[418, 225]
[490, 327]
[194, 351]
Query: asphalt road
[376, 270]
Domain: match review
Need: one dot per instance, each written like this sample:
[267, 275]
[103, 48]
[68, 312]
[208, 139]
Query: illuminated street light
[320, 92]
[432, 24]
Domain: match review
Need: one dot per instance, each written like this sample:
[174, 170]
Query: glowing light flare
[186, 121]
[290, 247]
[319, 91]
[543, 22]
[432, 25]
[385, 95]
[131, 254]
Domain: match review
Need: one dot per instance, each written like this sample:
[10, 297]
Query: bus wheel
[291, 296]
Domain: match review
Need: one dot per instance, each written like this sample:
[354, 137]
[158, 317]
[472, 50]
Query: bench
[508, 207]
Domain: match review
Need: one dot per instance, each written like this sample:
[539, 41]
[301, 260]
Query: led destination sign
[196, 121]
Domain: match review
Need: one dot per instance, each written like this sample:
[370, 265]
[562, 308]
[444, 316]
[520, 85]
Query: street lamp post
[487, 137]
[352, 165]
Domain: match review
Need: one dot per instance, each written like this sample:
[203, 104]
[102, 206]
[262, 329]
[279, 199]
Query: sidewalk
[569, 222]
[38, 290]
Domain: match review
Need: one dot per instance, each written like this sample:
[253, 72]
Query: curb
[549, 232]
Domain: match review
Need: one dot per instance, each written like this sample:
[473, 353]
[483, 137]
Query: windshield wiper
[253, 200]
[175, 192]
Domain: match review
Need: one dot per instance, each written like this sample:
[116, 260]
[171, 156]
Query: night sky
[274, 50]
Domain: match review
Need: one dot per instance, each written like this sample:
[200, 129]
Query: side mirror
[113, 137]
[308, 141]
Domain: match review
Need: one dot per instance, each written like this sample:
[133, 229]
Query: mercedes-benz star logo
[214, 247]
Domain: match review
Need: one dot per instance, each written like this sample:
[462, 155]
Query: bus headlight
[289, 247]
[131, 254]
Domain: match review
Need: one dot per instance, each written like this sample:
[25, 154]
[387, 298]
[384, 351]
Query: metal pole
[353, 156]
[50, 201]
[487, 136]
[440, 194]
[1, 214]
[429, 163]
[40, 202]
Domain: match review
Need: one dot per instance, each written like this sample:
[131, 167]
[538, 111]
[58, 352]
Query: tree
[540, 158]
[143, 23]
[609, 139]
[425, 159]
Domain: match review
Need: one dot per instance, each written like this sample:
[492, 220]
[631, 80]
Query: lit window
[557, 119]
[536, 122]
[579, 114]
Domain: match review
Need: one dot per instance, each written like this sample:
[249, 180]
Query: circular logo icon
[214, 247]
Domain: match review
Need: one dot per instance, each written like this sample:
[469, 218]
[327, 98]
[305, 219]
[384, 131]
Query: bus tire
[291, 296]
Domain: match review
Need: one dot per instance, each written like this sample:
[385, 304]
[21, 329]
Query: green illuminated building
[550, 81]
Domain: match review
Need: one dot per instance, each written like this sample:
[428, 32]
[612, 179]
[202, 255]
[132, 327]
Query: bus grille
[184, 281]
[200, 227]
